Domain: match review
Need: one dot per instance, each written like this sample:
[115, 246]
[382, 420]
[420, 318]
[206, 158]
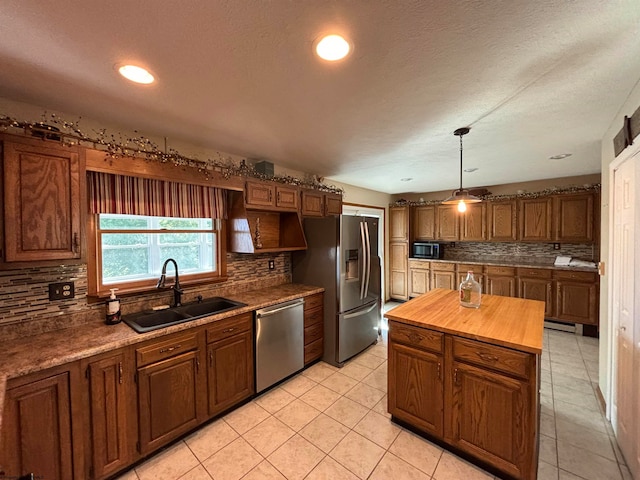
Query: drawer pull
[455, 377]
[414, 337]
[487, 357]
[228, 330]
[439, 370]
[120, 373]
[170, 349]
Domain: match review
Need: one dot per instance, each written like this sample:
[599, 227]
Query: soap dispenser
[113, 309]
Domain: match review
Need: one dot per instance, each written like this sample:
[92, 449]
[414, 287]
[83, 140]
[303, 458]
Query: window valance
[122, 194]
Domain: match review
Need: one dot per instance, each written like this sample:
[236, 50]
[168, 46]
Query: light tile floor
[330, 423]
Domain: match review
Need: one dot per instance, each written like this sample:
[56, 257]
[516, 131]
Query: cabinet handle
[455, 376]
[487, 357]
[170, 349]
[211, 358]
[228, 330]
[197, 361]
[120, 373]
[76, 242]
[278, 198]
[269, 195]
[439, 370]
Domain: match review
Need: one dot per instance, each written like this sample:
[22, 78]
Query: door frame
[359, 210]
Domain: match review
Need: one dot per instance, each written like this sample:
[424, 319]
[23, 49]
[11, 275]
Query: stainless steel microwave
[426, 250]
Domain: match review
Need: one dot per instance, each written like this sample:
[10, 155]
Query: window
[131, 250]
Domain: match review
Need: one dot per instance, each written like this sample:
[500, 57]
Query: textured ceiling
[531, 78]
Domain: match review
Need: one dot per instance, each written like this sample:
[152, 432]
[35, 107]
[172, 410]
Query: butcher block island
[469, 378]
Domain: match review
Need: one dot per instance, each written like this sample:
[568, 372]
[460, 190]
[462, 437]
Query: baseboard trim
[603, 404]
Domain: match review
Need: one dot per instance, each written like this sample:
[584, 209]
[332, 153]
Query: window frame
[94, 265]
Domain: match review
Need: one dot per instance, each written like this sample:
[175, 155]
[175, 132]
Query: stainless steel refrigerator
[342, 256]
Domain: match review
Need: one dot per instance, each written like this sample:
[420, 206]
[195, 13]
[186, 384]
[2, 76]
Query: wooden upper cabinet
[447, 223]
[264, 195]
[573, 218]
[42, 201]
[535, 219]
[473, 223]
[424, 222]
[399, 224]
[502, 223]
[320, 204]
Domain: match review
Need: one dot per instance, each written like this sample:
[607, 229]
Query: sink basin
[151, 320]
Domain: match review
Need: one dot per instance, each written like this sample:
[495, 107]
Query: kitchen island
[469, 378]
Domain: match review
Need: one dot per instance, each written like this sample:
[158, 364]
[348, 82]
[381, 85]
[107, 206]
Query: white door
[626, 396]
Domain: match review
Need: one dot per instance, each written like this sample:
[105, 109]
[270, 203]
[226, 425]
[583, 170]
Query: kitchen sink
[151, 320]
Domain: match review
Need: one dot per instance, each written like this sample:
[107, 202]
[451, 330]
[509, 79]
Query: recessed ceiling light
[136, 74]
[560, 156]
[469, 170]
[406, 179]
[332, 48]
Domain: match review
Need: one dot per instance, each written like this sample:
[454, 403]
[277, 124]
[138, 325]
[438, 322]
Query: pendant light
[461, 196]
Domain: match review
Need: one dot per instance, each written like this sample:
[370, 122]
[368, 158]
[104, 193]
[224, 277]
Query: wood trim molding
[600, 397]
[629, 131]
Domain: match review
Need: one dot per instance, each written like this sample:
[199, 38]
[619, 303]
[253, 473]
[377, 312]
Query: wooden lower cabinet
[576, 297]
[40, 433]
[230, 377]
[110, 413]
[313, 328]
[479, 398]
[443, 275]
[419, 277]
[171, 383]
[536, 284]
[501, 281]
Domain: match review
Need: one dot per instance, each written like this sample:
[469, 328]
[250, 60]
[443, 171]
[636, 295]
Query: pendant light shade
[461, 197]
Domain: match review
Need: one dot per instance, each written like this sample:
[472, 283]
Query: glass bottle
[470, 292]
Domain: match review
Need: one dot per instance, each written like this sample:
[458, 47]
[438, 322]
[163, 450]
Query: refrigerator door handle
[368, 257]
[363, 279]
[360, 312]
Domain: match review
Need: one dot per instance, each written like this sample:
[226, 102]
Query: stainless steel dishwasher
[279, 342]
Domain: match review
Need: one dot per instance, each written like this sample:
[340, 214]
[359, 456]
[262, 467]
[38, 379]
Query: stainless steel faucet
[177, 291]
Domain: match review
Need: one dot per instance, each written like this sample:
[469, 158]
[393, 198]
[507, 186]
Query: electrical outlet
[272, 264]
[556, 246]
[61, 291]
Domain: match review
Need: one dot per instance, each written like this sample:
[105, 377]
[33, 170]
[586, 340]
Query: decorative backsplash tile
[25, 292]
[534, 253]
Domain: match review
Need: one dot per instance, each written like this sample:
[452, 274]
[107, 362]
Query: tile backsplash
[533, 253]
[25, 292]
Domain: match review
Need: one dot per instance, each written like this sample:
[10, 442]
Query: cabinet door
[168, 401]
[333, 204]
[36, 428]
[576, 302]
[230, 371]
[573, 218]
[399, 224]
[424, 222]
[287, 197]
[443, 280]
[535, 219]
[498, 285]
[473, 223]
[418, 281]
[260, 194]
[111, 414]
[41, 202]
[398, 270]
[492, 418]
[312, 203]
[415, 387]
[502, 221]
[538, 289]
[447, 223]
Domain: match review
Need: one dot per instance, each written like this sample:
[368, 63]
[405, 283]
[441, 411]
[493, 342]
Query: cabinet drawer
[313, 317]
[417, 337]
[313, 350]
[419, 264]
[466, 267]
[166, 349]
[534, 272]
[443, 267]
[577, 276]
[506, 271]
[313, 333]
[228, 327]
[313, 301]
[496, 358]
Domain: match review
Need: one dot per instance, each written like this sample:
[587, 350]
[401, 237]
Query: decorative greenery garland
[54, 127]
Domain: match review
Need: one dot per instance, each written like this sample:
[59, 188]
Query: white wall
[629, 107]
